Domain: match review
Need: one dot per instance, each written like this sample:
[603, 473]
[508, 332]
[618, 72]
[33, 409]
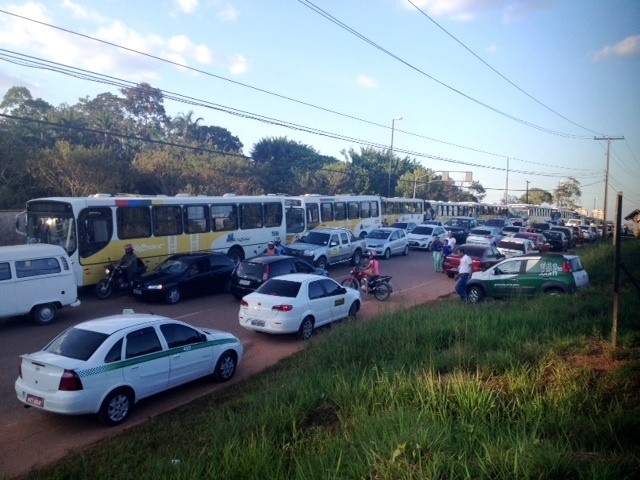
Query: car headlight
[154, 287]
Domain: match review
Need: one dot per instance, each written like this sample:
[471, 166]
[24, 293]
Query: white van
[36, 279]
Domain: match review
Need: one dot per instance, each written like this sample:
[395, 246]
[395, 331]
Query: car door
[394, 242]
[320, 303]
[189, 357]
[7, 291]
[504, 282]
[338, 297]
[336, 249]
[303, 267]
[146, 367]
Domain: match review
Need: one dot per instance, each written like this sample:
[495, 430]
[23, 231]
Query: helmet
[277, 240]
[128, 247]
[270, 243]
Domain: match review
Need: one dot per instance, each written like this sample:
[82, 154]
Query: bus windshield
[56, 228]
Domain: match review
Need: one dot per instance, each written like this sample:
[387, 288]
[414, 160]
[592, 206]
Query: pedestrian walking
[436, 246]
[464, 272]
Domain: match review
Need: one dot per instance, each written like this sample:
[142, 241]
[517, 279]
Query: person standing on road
[436, 246]
[446, 251]
[464, 272]
[452, 241]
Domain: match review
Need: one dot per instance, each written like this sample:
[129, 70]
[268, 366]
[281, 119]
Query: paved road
[31, 438]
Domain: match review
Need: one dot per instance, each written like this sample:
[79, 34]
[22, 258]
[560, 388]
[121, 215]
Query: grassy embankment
[518, 389]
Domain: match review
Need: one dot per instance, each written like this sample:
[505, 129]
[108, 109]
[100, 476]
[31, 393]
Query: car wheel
[353, 309]
[116, 407]
[44, 314]
[405, 252]
[356, 259]
[475, 294]
[226, 366]
[451, 275]
[321, 263]
[382, 292]
[173, 295]
[350, 282]
[306, 329]
[553, 291]
[387, 254]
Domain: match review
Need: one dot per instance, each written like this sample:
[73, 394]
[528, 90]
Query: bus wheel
[236, 254]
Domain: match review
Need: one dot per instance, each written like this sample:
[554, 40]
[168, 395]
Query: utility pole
[606, 181]
[527, 198]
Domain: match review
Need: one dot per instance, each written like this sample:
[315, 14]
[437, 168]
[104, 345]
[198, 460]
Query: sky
[521, 93]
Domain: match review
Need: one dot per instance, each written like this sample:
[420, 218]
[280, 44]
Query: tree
[536, 196]
[567, 193]
[143, 106]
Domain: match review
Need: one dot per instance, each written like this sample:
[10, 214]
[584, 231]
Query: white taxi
[106, 365]
[297, 303]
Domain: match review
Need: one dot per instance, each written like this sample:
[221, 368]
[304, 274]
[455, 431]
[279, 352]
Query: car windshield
[280, 288]
[480, 231]
[316, 238]
[457, 222]
[422, 231]
[494, 222]
[76, 343]
[554, 235]
[379, 234]
[172, 265]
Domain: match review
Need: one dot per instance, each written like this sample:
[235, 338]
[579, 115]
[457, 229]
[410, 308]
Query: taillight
[282, 308]
[244, 303]
[265, 274]
[70, 381]
[566, 266]
[20, 368]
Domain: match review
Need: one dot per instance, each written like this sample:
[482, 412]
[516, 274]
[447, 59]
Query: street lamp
[527, 197]
[393, 127]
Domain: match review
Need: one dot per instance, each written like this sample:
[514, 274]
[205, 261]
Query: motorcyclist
[280, 249]
[271, 249]
[129, 263]
[372, 270]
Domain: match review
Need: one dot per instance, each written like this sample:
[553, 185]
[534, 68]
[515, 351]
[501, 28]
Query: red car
[483, 256]
[538, 240]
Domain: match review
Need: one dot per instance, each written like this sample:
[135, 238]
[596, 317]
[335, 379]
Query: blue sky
[479, 84]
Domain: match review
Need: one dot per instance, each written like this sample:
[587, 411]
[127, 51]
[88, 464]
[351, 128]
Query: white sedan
[297, 303]
[106, 365]
[422, 236]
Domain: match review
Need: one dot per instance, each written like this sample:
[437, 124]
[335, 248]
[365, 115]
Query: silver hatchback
[387, 241]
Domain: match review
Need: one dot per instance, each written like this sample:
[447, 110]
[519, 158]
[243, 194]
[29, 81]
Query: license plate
[35, 401]
[244, 282]
[137, 291]
[257, 323]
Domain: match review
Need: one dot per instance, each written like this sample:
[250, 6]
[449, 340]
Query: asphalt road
[32, 438]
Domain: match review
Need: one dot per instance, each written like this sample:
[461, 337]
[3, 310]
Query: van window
[5, 271]
[38, 266]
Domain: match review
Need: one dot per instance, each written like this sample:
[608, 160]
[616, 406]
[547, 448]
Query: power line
[344, 26]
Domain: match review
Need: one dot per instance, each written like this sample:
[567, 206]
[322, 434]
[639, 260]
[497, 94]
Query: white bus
[93, 230]
[402, 210]
[358, 213]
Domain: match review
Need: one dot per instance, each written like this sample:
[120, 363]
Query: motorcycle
[116, 280]
[379, 286]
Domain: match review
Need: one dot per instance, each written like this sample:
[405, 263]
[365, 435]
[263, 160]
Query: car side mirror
[342, 291]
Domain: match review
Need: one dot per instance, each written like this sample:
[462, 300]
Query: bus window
[133, 222]
[95, 228]
[195, 218]
[365, 210]
[224, 217]
[313, 215]
[295, 220]
[250, 215]
[340, 212]
[272, 214]
[326, 211]
[166, 220]
[375, 209]
[354, 210]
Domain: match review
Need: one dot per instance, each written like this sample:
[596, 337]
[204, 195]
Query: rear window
[479, 231]
[280, 288]
[576, 264]
[494, 222]
[250, 269]
[511, 245]
[473, 251]
[422, 231]
[76, 343]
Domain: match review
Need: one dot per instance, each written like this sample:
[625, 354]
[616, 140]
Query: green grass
[523, 389]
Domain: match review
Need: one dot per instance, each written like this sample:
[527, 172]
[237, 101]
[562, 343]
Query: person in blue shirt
[280, 249]
[446, 251]
[436, 246]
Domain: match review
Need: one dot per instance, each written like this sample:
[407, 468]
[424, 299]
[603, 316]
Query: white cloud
[81, 12]
[493, 48]
[366, 82]
[628, 47]
[228, 14]
[186, 6]
[467, 10]
[238, 65]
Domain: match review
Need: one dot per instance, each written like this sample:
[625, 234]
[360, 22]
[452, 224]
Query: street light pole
[527, 198]
[393, 127]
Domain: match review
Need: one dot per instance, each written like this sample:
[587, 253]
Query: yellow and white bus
[358, 213]
[402, 210]
[94, 230]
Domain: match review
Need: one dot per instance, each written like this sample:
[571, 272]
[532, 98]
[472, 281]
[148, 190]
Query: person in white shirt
[464, 272]
[452, 241]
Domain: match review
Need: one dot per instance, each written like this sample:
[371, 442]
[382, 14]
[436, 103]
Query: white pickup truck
[327, 246]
